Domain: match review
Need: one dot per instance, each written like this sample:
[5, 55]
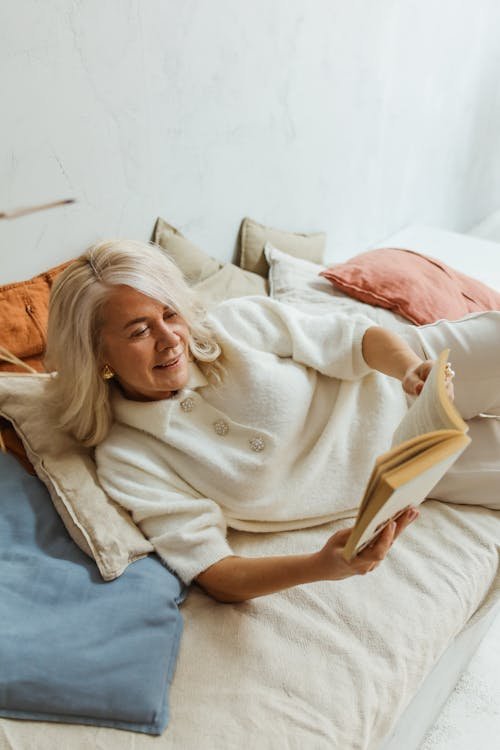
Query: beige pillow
[195, 264]
[298, 281]
[213, 280]
[228, 283]
[254, 236]
[100, 527]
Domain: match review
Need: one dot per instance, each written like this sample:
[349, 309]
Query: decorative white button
[221, 427]
[257, 444]
[187, 404]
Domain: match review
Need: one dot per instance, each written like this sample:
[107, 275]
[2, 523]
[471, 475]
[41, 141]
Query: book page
[432, 409]
[399, 455]
[412, 492]
[407, 483]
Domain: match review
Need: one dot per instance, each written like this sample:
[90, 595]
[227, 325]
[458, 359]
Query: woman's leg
[474, 478]
[474, 343]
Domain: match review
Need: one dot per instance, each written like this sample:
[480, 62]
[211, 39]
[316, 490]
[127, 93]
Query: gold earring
[107, 373]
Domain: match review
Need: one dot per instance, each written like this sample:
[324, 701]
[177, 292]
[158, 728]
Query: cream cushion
[228, 283]
[295, 278]
[100, 527]
[297, 281]
[194, 263]
[254, 236]
[214, 281]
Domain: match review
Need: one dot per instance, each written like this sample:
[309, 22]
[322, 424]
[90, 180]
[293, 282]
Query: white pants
[474, 343]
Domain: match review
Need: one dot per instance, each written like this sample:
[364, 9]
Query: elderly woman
[256, 416]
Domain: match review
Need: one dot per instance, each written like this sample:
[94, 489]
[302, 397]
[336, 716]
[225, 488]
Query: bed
[362, 664]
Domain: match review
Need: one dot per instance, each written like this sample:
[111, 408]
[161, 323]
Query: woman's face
[145, 343]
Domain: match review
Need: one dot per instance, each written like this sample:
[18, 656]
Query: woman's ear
[101, 361]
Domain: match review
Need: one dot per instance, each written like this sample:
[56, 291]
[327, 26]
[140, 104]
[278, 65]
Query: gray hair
[79, 393]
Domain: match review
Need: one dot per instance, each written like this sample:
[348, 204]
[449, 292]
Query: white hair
[79, 393]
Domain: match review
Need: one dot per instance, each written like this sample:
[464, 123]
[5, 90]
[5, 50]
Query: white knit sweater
[286, 441]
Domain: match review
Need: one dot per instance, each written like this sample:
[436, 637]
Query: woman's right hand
[236, 579]
[333, 567]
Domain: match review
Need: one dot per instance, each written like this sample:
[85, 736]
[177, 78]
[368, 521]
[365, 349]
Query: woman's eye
[139, 333]
[170, 314]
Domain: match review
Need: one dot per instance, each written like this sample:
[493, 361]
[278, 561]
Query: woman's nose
[166, 338]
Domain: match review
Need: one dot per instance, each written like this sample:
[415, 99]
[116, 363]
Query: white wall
[352, 116]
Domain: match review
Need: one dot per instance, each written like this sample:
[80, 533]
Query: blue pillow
[75, 648]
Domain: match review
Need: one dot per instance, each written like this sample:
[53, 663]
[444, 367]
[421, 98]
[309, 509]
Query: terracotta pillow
[420, 288]
[12, 443]
[24, 307]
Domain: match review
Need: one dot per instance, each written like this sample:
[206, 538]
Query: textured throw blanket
[325, 665]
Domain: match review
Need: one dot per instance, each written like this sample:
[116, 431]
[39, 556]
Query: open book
[429, 439]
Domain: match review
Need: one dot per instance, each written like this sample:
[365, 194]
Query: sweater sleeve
[187, 531]
[331, 343]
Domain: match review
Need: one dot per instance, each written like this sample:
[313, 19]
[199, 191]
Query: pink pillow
[417, 287]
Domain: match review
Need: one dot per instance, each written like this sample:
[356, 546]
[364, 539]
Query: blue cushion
[74, 648]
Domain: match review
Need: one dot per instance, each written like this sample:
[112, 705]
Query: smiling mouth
[168, 365]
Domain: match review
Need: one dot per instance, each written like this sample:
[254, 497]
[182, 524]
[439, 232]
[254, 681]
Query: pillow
[299, 282]
[100, 527]
[420, 288]
[24, 309]
[295, 277]
[213, 280]
[228, 283]
[195, 264]
[11, 442]
[72, 648]
[253, 239]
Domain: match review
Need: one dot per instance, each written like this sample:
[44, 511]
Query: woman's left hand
[415, 377]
